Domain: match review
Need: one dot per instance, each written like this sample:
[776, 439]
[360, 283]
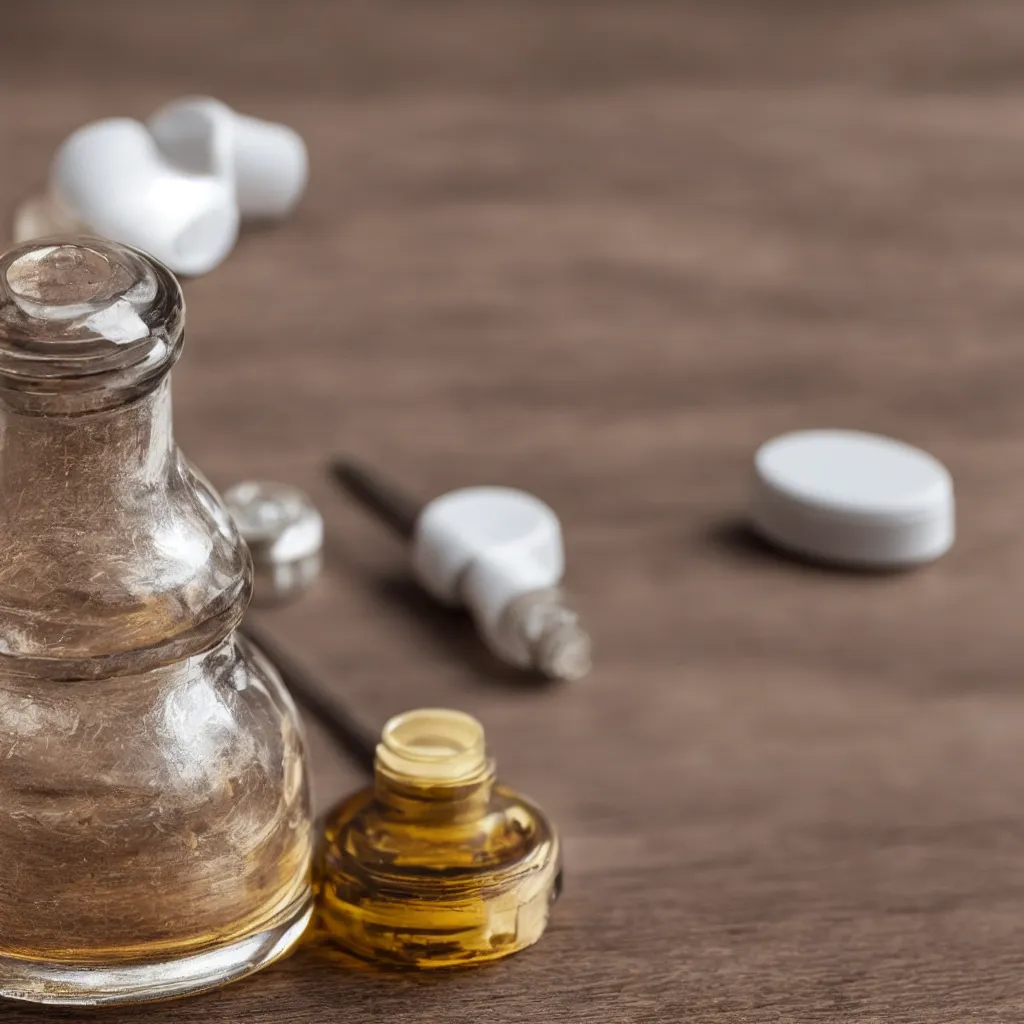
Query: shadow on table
[449, 630]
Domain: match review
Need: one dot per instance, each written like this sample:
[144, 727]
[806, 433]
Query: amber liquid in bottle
[435, 865]
[155, 835]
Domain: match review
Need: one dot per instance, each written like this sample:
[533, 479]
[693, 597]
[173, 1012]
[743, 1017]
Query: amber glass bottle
[154, 819]
[435, 865]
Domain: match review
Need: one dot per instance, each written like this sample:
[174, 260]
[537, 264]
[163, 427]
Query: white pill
[853, 498]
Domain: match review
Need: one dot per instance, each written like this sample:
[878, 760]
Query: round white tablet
[853, 498]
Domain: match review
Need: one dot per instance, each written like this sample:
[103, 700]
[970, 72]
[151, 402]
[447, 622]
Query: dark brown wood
[601, 251]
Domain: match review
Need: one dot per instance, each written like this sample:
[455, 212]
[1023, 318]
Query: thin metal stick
[379, 496]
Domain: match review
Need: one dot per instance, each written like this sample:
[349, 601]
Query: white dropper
[497, 552]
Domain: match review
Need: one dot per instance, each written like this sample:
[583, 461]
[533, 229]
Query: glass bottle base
[108, 983]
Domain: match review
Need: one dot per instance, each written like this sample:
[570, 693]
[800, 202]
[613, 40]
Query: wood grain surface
[601, 251]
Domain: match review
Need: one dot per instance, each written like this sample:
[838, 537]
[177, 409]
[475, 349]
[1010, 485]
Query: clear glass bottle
[435, 865]
[155, 834]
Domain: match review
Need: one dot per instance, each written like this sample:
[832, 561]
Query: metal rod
[351, 737]
[383, 499]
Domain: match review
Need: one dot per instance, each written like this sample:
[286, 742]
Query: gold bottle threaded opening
[434, 747]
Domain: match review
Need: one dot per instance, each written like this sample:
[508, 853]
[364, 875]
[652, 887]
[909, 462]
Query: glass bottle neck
[102, 455]
[116, 555]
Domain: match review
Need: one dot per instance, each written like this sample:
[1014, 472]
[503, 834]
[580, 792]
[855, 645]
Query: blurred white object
[110, 179]
[495, 550]
[267, 162]
[284, 533]
[499, 551]
[176, 188]
[853, 498]
[38, 217]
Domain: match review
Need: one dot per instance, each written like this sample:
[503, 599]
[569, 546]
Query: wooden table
[601, 252]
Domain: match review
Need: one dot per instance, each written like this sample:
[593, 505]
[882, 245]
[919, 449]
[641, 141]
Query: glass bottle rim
[85, 323]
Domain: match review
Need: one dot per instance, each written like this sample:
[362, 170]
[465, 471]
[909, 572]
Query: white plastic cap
[493, 524]
[853, 498]
[111, 177]
[499, 552]
[284, 533]
[266, 163]
[277, 521]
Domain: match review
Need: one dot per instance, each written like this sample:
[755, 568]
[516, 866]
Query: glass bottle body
[155, 830]
[149, 819]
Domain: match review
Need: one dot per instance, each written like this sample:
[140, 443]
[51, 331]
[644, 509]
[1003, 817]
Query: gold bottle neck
[432, 766]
